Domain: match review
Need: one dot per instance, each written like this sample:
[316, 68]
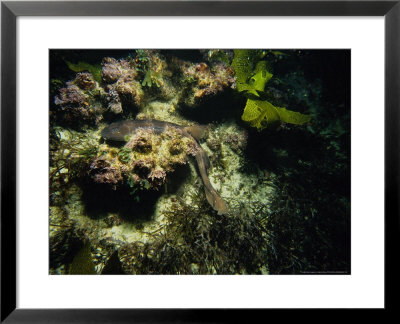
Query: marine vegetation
[151, 72]
[94, 70]
[193, 161]
[262, 114]
[219, 246]
[251, 76]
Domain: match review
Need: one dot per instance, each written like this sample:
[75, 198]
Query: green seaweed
[252, 75]
[194, 241]
[257, 82]
[124, 155]
[95, 70]
[150, 79]
[141, 60]
[70, 155]
[143, 184]
[262, 114]
[88, 153]
[142, 65]
[244, 63]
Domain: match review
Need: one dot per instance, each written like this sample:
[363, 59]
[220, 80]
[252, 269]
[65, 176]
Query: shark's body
[119, 130]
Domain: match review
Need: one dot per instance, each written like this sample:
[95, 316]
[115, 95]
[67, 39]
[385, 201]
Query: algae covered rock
[128, 85]
[145, 159]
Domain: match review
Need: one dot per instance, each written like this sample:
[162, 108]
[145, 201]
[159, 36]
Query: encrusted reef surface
[210, 187]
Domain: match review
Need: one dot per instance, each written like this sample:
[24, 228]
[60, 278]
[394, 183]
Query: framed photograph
[163, 158]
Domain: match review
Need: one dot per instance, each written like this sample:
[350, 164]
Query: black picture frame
[10, 10]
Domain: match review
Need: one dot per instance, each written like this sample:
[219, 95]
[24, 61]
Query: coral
[235, 138]
[85, 81]
[115, 107]
[141, 141]
[157, 176]
[80, 101]
[72, 96]
[122, 90]
[146, 156]
[104, 172]
[112, 220]
[111, 70]
[205, 81]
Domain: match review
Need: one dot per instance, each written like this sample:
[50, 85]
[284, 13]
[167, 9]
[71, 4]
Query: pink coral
[110, 72]
[71, 96]
[122, 90]
[103, 172]
[207, 81]
[85, 81]
[76, 103]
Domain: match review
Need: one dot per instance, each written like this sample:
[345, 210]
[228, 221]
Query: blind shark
[118, 131]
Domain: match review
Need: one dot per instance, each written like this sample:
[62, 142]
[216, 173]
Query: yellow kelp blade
[292, 117]
[258, 81]
[262, 114]
[95, 70]
[244, 62]
[254, 84]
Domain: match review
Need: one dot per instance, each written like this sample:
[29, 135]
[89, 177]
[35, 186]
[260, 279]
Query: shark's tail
[215, 200]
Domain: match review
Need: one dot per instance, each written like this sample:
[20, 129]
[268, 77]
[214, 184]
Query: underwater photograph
[208, 161]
